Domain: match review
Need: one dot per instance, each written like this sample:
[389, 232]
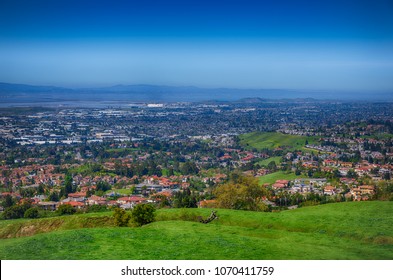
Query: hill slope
[273, 140]
[356, 230]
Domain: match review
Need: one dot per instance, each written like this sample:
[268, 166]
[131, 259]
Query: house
[96, 200]
[76, 196]
[318, 182]
[48, 205]
[329, 190]
[207, 203]
[127, 206]
[130, 199]
[75, 204]
[277, 186]
[284, 182]
[361, 192]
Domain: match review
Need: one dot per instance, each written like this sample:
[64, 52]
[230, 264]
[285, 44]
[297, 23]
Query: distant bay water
[12, 95]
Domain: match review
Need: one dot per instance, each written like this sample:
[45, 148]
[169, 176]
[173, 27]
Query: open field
[266, 161]
[121, 191]
[273, 140]
[355, 230]
[279, 175]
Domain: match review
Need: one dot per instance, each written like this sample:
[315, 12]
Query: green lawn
[272, 140]
[354, 230]
[279, 175]
[121, 191]
[266, 161]
[383, 136]
[121, 150]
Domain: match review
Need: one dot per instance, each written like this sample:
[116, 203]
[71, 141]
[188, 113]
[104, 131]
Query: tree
[272, 166]
[53, 196]
[32, 213]
[103, 186]
[121, 217]
[68, 184]
[8, 201]
[189, 168]
[352, 174]
[16, 211]
[143, 214]
[66, 209]
[242, 193]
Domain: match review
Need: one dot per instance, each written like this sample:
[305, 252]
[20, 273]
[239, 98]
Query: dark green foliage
[103, 186]
[96, 208]
[53, 196]
[16, 211]
[164, 202]
[68, 184]
[143, 214]
[185, 199]
[66, 209]
[121, 217]
[40, 189]
[352, 174]
[32, 213]
[8, 201]
[189, 168]
[28, 192]
[272, 166]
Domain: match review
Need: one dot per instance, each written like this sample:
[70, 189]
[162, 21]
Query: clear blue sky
[333, 45]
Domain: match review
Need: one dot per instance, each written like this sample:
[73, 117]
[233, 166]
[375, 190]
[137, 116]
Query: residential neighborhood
[121, 157]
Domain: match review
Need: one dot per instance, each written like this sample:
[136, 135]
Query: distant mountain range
[21, 93]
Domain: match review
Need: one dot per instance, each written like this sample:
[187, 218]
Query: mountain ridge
[146, 92]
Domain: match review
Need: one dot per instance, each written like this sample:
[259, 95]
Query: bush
[16, 211]
[32, 213]
[143, 214]
[96, 208]
[66, 209]
[121, 217]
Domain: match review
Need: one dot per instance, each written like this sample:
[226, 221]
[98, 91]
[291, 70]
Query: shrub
[121, 217]
[96, 208]
[143, 214]
[32, 213]
[16, 211]
[66, 209]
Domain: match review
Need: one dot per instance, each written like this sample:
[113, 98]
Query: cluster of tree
[185, 199]
[140, 215]
[384, 191]
[16, 211]
[284, 199]
[153, 167]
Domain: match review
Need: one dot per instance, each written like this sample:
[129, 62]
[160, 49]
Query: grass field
[272, 140]
[279, 175]
[121, 191]
[266, 161]
[355, 230]
[121, 150]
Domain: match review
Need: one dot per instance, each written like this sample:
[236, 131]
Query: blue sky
[328, 45]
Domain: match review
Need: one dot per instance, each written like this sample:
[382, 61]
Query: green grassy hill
[354, 230]
[279, 175]
[272, 140]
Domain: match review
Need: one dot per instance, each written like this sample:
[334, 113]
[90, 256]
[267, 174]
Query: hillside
[273, 140]
[356, 230]
[279, 175]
